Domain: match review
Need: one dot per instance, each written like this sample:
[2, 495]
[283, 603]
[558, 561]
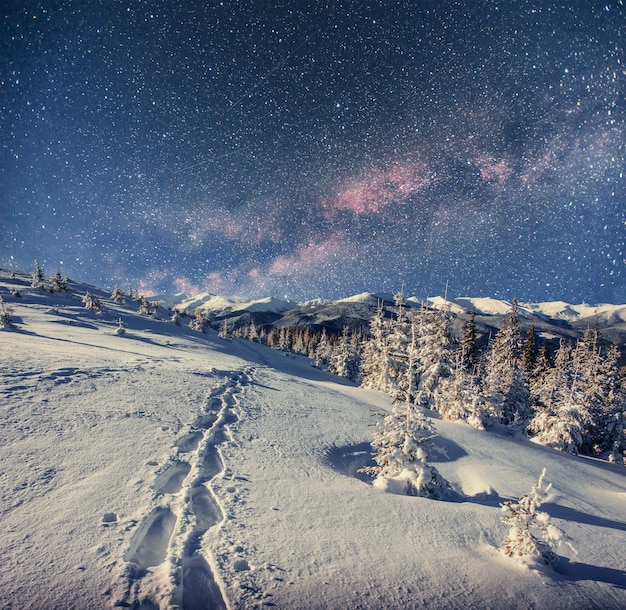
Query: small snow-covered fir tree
[117, 296]
[145, 307]
[93, 302]
[532, 537]
[59, 283]
[176, 319]
[6, 316]
[37, 277]
[402, 445]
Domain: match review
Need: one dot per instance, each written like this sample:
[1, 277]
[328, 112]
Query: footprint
[149, 545]
[212, 463]
[170, 481]
[188, 442]
[204, 422]
[205, 508]
[200, 591]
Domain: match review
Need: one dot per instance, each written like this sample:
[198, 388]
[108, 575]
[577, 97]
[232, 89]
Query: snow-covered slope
[164, 468]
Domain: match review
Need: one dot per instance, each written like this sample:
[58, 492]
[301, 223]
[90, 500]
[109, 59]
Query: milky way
[318, 149]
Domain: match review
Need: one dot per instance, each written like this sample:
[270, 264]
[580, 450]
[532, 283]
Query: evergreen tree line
[573, 400]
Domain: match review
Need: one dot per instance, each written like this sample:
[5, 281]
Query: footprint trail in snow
[171, 535]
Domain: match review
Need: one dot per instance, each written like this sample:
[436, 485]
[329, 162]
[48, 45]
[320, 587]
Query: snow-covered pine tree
[561, 417]
[506, 386]
[176, 319]
[93, 302]
[323, 351]
[470, 354]
[344, 360]
[529, 352]
[144, 305]
[376, 358]
[609, 421]
[532, 537]
[436, 356]
[37, 277]
[402, 445]
[117, 296]
[200, 321]
[224, 333]
[59, 283]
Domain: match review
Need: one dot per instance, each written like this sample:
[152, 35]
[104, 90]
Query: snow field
[169, 469]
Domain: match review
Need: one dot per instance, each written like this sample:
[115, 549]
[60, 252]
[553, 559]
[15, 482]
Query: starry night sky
[318, 148]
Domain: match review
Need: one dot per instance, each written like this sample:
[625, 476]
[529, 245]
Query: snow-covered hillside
[161, 467]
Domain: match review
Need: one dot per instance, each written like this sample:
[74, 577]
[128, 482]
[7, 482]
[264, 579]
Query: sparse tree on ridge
[117, 295]
[93, 302]
[37, 277]
[59, 283]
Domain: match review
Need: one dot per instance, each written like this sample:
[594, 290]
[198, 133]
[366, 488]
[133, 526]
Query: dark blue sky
[318, 149]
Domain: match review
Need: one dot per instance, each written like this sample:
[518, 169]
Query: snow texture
[167, 468]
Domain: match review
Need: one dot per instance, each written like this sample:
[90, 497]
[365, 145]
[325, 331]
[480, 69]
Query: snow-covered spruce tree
[323, 351]
[117, 296]
[59, 283]
[224, 332]
[37, 277]
[529, 352]
[402, 445]
[470, 354]
[200, 320]
[609, 422]
[6, 316]
[562, 418]
[176, 319]
[93, 302]
[345, 358]
[436, 357]
[506, 386]
[532, 537]
[145, 307]
[376, 357]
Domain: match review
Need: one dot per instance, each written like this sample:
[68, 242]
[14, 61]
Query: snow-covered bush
[6, 316]
[532, 537]
[403, 444]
